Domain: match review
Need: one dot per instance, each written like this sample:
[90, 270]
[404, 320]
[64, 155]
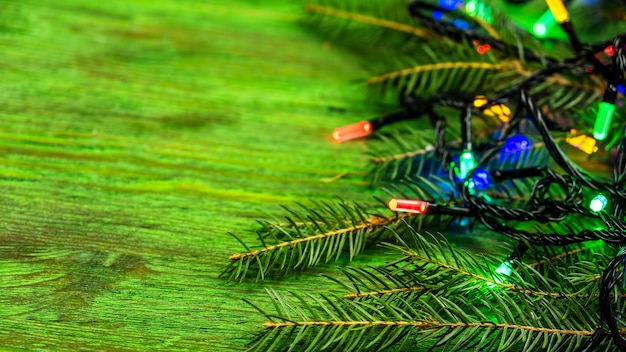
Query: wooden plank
[133, 136]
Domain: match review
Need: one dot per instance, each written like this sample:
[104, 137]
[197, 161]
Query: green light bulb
[603, 120]
[466, 164]
[540, 29]
[471, 7]
[544, 24]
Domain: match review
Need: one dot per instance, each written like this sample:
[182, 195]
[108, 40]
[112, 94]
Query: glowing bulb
[408, 206]
[450, 4]
[460, 24]
[478, 9]
[558, 10]
[583, 142]
[540, 29]
[471, 7]
[502, 111]
[603, 120]
[516, 144]
[481, 178]
[466, 164]
[544, 24]
[480, 101]
[353, 131]
[598, 203]
[505, 269]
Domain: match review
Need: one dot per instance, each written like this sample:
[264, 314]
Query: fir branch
[331, 323]
[379, 22]
[436, 265]
[405, 155]
[445, 285]
[556, 257]
[424, 325]
[308, 237]
[356, 295]
[375, 222]
[438, 66]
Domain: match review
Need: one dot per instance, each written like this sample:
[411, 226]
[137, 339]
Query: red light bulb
[353, 131]
[408, 206]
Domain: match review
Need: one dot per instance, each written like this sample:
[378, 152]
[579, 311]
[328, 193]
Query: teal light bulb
[466, 164]
[598, 203]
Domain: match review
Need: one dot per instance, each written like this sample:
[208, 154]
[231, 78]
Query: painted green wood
[134, 135]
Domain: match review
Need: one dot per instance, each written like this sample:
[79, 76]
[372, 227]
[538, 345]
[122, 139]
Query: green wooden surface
[134, 135]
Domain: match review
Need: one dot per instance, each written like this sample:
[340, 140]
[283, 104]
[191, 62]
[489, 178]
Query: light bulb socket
[389, 119]
[610, 94]
[436, 209]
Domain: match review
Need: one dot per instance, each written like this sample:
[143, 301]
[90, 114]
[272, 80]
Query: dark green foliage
[442, 297]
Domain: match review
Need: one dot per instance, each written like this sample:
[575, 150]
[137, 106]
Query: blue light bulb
[460, 24]
[516, 144]
[481, 178]
[450, 4]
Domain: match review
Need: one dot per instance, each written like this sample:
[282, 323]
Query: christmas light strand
[573, 182]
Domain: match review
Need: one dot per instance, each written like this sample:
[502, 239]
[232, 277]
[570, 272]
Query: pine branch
[429, 325]
[371, 224]
[332, 323]
[426, 76]
[305, 252]
[383, 23]
[447, 275]
[311, 236]
[556, 257]
[437, 67]
[372, 28]
[433, 263]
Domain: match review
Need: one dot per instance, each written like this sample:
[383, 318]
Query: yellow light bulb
[558, 10]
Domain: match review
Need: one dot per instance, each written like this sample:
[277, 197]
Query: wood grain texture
[134, 135]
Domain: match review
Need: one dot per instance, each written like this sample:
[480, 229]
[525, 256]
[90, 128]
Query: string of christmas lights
[448, 19]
